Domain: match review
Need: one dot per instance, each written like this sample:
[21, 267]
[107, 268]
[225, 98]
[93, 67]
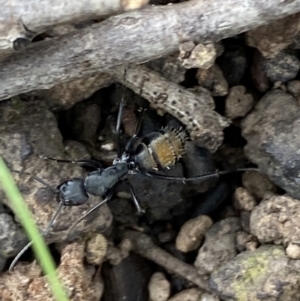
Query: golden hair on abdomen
[168, 147]
[159, 150]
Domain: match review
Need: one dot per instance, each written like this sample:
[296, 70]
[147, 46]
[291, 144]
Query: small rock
[159, 287]
[213, 80]
[257, 184]
[251, 245]
[185, 49]
[265, 274]
[219, 245]
[272, 38]
[273, 140]
[293, 251]
[243, 199]
[243, 239]
[284, 67]
[293, 87]
[11, 236]
[245, 220]
[96, 249]
[238, 103]
[276, 219]
[258, 75]
[201, 56]
[191, 233]
[191, 294]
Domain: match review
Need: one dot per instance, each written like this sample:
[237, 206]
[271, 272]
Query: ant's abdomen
[159, 150]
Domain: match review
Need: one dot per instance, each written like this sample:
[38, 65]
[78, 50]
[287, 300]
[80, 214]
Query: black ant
[155, 151]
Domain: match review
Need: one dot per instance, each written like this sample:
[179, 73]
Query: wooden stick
[143, 245]
[133, 37]
[195, 110]
[25, 19]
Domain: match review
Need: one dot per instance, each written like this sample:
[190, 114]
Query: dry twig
[20, 21]
[143, 245]
[133, 37]
[194, 110]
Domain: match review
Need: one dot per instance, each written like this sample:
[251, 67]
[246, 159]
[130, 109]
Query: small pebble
[238, 102]
[293, 251]
[159, 287]
[213, 80]
[241, 239]
[251, 245]
[245, 241]
[243, 199]
[202, 56]
[96, 249]
[192, 232]
[257, 184]
[293, 87]
[284, 67]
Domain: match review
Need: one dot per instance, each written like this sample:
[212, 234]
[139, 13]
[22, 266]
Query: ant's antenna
[200, 177]
[140, 210]
[120, 113]
[88, 162]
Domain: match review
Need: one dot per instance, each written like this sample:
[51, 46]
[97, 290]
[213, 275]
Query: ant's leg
[200, 177]
[137, 130]
[108, 197]
[45, 233]
[89, 162]
[60, 206]
[140, 210]
[16, 259]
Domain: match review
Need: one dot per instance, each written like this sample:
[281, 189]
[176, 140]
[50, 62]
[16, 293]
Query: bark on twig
[24, 19]
[133, 37]
[194, 110]
[143, 245]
